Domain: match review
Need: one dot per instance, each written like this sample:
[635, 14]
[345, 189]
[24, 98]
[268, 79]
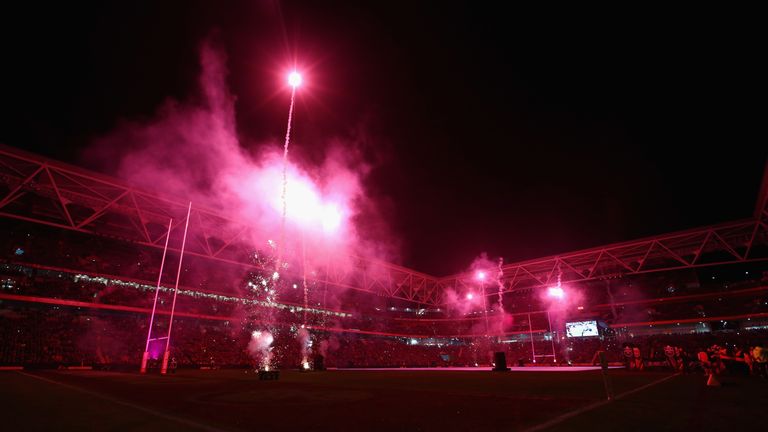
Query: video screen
[581, 329]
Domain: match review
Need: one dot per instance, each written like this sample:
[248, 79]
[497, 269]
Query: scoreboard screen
[581, 329]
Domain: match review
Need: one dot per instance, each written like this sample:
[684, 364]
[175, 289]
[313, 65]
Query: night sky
[513, 132]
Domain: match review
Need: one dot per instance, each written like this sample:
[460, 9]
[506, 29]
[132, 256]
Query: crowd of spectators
[743, 352]
[113, 283]
[53, 336]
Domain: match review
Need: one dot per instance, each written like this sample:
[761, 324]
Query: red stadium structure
[408, 310]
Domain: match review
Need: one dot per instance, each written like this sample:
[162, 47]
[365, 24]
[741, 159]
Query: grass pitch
[236, 400]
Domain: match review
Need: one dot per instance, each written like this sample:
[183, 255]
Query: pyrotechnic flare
[480, 275]
[294, 80]
[500, 283]
[304, 277]
[557, 291]
[260, 348]
[306, 345]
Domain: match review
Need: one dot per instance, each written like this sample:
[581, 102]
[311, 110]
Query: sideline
[127, 404]
[595, 405]
[484, 369]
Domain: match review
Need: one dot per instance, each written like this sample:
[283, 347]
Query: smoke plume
[260, 348]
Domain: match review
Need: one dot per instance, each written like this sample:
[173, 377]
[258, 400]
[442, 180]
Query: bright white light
[556, 292]
[331, 218]
[481, 275]
[294, 79]
[469, 296]
[305, 203]
[303, 200]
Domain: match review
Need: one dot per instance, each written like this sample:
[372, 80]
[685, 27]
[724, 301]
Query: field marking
[128, 404]
[650, 384]
[595, 405]
[485, 369]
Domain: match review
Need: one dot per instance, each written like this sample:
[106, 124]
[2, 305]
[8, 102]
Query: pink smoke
[481, 289]
[305, 342]
[191, 150]
[478, 288]
[328, 345]
[561, 302]
[260, 348]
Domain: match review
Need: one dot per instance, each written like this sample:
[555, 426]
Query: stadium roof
[40, 190]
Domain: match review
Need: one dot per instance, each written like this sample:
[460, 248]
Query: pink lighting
[303, 199]
[331, 218]
[294, 79]
[556, 292]
[480, 275]
[469, 296]
[316, 208]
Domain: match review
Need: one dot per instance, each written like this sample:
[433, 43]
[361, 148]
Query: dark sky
[514, 132]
